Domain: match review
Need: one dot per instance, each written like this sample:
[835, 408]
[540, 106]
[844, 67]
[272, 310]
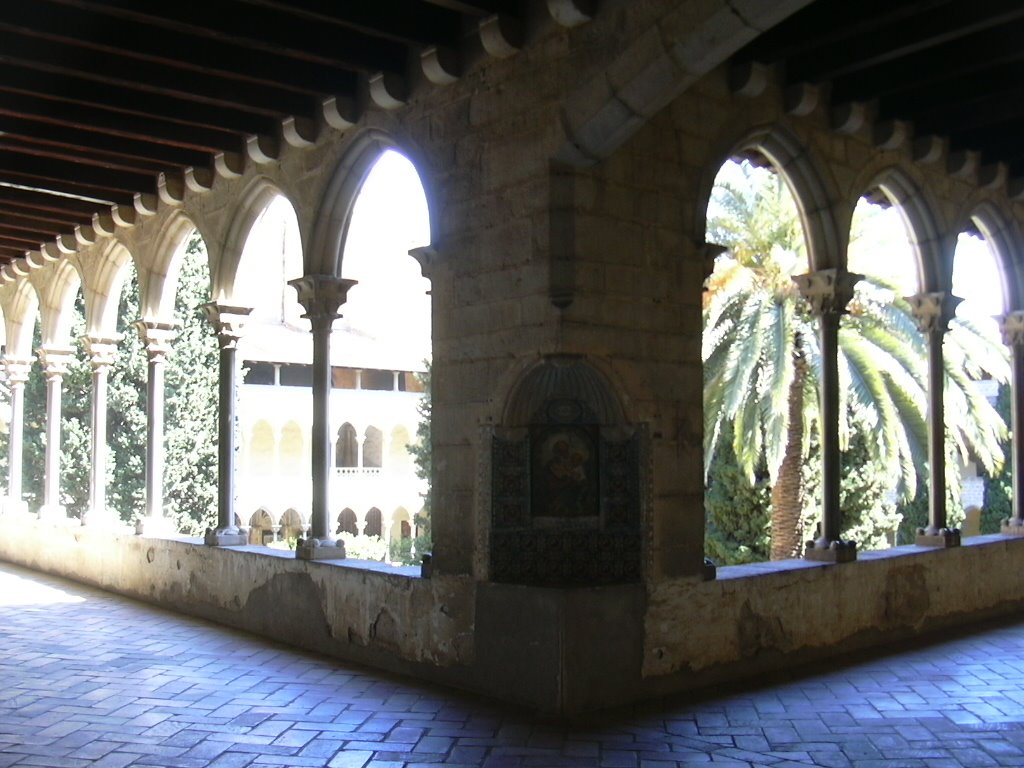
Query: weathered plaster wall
[388, 618]
[553, 650]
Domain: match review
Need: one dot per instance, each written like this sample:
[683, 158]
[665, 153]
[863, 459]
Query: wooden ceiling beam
[148, 127]
[413, 23]
[826, 23]
[80, 173]
[14, 228]
[41, 219]
[827, 61]
[980, 51]
[92, 141]
[134, 75]
[70, 207]
[260, 30]
[83, 157]
[130, 39]
[479, 8]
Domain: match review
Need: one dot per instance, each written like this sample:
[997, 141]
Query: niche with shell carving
[566, 481]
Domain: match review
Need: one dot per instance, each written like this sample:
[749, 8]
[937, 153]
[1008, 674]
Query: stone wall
[557, 651]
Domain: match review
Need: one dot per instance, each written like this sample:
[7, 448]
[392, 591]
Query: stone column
[1013, 336]
[17, 375]
[157, 337]
[101, 356]
[55, 361]
[828, 291]
[227, 323]
[321, 296]
[933, 311]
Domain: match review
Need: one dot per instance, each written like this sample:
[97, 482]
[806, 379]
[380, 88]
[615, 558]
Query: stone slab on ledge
[225, 538]
[947, 537]
[315, 549]
[1012, 527]
[836, 552]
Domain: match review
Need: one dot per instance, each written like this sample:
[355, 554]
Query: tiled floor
[89, 679]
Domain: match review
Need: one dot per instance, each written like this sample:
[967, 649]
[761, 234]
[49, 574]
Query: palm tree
[762, 361]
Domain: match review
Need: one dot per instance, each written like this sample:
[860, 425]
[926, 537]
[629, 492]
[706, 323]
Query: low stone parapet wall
[558, 651]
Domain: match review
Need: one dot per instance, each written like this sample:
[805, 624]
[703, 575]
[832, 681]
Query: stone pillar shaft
[933, 312]
[831, 459]
[101, 356]
[828, 291]
[55, 364]
[17, 375]
[157, 337]
[1017, 421]
[321, 434]
[1013, 336]
[321, 296]
[227, 324]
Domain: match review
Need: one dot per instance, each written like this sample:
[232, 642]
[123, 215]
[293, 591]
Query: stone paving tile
[94, 680]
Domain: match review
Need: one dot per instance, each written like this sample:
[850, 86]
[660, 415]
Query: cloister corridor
[92, 679]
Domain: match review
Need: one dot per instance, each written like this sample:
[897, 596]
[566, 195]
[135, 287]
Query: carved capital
[427, 257]
[228, 322]
[321, 296]
[1012, 326]
[17, 369]
[101, 351]
[55, 360]
[933, 311]
[828, 291]
[157, 336]
[708, 252]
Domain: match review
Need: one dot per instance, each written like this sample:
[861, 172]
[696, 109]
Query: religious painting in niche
[564, 472]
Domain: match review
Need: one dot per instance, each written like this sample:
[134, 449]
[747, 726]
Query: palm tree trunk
[787, 492]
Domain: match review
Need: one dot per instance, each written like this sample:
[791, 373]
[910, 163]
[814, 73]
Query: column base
[1012, 527]
[53, 513]
[836, 551]
[225, 537]
[944, 538]
[316, 549]
[709, 571]
[154, 526]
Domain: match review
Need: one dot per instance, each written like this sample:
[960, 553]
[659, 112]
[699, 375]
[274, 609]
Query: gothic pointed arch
[56, 285]
[158, 279]
[103, 281]
[813, 191]
[327, 242]
[924, 227]
[1003, 237]
[19, 303]
[253, 203]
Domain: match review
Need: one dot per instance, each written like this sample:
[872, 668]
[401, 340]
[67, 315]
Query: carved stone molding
[321, 296]
[828, 291]
[1012, 326]
[933, 311]
[228, 322]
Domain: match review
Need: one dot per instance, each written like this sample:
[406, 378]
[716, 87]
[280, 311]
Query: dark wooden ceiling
[953, 69]
[105, 102]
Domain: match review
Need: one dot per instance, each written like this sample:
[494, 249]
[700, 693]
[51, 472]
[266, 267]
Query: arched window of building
[374, 523]
[347, 522]
[346, 453]
[261, 448]
[399, 458]
[373, 448]
[293, 450]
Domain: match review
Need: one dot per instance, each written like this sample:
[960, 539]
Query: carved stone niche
[566, 482]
